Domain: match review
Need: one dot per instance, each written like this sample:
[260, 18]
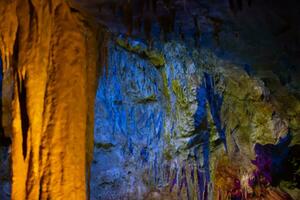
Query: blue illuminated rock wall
[164, 132]
[144, 117]
[129, 127]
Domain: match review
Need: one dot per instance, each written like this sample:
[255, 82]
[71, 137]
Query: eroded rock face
[50, 59]
[186, 130]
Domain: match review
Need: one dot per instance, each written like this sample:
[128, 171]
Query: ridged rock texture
[50, 59]
[187, 129]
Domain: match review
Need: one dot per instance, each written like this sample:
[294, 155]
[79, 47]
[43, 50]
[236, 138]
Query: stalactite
[154, 6]
[173, 18]
[217, 24]
[113, 7]
[128, 17]
[140, 7]
[240, 4]
[167, 3]
[103, 50]
[181, 32]
[148, 27]
[54, 79]
[197, 30]
[249, 3]
[148, 6]
[166, 23]
[4, 138]
[232, 6]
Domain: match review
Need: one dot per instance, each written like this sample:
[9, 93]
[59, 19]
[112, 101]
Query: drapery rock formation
[50, 56]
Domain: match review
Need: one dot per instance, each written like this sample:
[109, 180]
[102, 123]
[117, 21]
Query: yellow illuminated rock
[50, 58]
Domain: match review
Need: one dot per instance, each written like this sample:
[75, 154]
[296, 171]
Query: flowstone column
[50, 56]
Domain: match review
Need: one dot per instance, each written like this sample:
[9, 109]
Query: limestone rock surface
[50, 56]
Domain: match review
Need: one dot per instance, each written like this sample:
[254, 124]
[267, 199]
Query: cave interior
[150, 100]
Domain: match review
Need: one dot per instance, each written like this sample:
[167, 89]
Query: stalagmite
[50, 59]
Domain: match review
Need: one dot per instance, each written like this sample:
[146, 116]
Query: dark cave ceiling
[133, 16]
[263, 34]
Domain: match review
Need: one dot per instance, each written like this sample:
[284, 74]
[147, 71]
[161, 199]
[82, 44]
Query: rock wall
[185, 129]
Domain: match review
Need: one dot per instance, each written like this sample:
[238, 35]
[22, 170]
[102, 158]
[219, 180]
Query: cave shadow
[4, 141]
[4, 152]
[278, 163]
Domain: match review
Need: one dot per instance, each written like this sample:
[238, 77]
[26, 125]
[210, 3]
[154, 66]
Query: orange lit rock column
[50, 54]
